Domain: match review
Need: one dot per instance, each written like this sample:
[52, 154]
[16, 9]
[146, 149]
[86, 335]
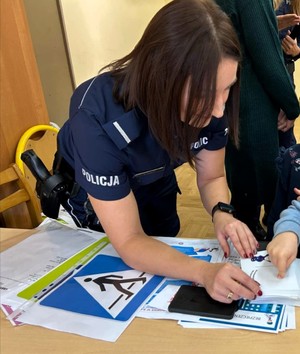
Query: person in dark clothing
[250, 169]
[288, 164]
[173, 99]
[291, 51]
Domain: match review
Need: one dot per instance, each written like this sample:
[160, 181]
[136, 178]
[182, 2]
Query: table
[143, 336]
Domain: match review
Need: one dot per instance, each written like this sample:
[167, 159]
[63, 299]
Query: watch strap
[224, 207]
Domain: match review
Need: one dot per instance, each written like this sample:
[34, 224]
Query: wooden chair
[18, 198]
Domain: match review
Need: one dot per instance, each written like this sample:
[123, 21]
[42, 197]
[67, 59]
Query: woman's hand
[287, 20]
[227, 227]
[290, 46]
[283, 123]
[226, 282]
[282, 251]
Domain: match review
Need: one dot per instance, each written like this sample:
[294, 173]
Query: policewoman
[161, 105]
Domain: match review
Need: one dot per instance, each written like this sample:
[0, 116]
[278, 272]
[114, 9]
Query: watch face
[226, 208]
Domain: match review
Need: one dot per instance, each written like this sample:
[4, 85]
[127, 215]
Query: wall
[297, 77]
[51, 55]
[110, 35]
[99, 31]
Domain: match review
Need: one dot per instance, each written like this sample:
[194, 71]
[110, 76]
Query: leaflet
[285, 290]
[75, 281]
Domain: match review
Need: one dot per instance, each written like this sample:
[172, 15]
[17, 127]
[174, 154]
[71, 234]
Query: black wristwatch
[226, 208]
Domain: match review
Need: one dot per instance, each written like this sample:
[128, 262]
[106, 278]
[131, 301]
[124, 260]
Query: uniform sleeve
[98, 164]
[260, 32]
[212, 137]
[289, 220]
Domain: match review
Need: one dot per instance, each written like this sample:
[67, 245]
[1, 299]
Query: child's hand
[282, 251]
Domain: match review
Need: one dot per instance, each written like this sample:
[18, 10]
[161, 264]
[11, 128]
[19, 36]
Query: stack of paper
[74, 281]
[268, 315]
[275, 290]
[271, 318]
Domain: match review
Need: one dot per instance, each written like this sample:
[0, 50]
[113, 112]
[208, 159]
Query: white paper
[286, 290]
[41, 252]
[38, 254]
[81, 324]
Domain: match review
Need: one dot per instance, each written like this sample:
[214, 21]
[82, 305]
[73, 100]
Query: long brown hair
[186, 39]
[295, 5]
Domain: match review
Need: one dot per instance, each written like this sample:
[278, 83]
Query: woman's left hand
[227, 227]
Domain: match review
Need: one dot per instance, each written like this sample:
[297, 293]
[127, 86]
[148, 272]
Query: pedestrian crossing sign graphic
[105, 287]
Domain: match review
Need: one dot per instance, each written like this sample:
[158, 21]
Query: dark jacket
[288, 164]
[265, 89]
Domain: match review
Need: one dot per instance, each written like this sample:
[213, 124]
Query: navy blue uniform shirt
[113, 151]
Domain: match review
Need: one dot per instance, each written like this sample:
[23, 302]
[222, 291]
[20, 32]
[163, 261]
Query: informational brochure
[93, 287]
[262, 321]
[281, 290]
[41, 258]
[74, 281]
[251, 316]
[264, 314]
[95, 302]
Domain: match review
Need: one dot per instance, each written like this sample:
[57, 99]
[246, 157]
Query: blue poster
[106, 287]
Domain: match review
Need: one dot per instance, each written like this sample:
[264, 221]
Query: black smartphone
[194, 300]
[295, 32]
